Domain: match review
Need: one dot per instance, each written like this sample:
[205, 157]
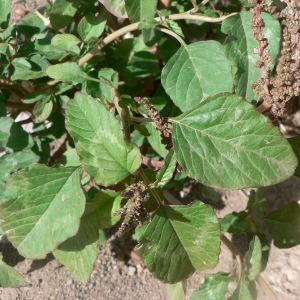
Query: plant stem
[266, 288]
[134, 26]
[172, 33]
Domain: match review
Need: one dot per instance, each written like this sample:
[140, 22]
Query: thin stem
[134, 26]
[266, 288]
[171, 33]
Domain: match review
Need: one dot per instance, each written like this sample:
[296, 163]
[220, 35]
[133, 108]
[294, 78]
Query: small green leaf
[240, 45]
[180, 240]
[155, 140]
[166, 172]
[116, 7]
[62, 13]
[37, 96]
[139, 10]
[68, 72]
[244, 291]
[257, 204]
[253, 259]
[235, 222]
[40, 202]
[284, 225]
[99, 141]
[225, 142]
[91, 27]
[193, 74]
[67, 42]
[176, 291]
[79, 253]
[41, 111]
[10, 277]
[70, 158]
[175, 27]
[142, 129]
[18, 160]
[13, 136]
[6, 6]
[295, 143]
[215, 287]
[147, 24]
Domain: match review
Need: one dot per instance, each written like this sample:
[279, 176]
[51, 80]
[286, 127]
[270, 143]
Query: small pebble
[131, 270]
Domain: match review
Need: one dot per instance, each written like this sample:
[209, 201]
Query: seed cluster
[134, 212]
[161, 125]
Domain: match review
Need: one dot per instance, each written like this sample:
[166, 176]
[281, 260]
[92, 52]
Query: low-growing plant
[142, 94]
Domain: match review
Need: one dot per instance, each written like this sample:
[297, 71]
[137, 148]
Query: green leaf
[91, 27]
[284, 225]
[147, 24]
[18, 160]
[67, 42]
[139, 10]
[295, 143]
[99, 141]
[142, 64]
[37, 96]
[257, 204]
[1, 230]
[253, 259]
[13, 136]
[68, 72]
[62, 13]
[142, 129]
[180, 240]
[174, 27]
[116, 7]
[41, 111]
[215, 287]
[176, 291]
[70, 158]
[42, 209]
[225, 142]
[193, 74]
[166, 172]
[243, 291]
[240, 45]
[5, 11]
[155, 140]
[235, 222]
[10, 277]
[2, 106]
[79, 253]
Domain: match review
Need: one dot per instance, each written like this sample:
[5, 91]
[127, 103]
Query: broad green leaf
[295, 143]
[79, 253]
[253, 259]
[67, 42]
[235, 222]
[42, 209]
[180, 240]
[257, 204]
[37, 96]
[239, 48]
[91, 27]
[193, 74]
[62, 13]
[166, 172]
[13, 136]
[70, 158]
[116, 7]
[99, 141]
[24, 69]
[41, 111]
[176, 291]
[215, 287]
[10, 277]
[6, 6]
[244, 291]
[225, 142]
[284, 225]
[68, 72]
[139, 10]
[18, 160]
[155, 140]
[142, 64]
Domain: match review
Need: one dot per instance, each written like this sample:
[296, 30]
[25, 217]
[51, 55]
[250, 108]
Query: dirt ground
[118, 275]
